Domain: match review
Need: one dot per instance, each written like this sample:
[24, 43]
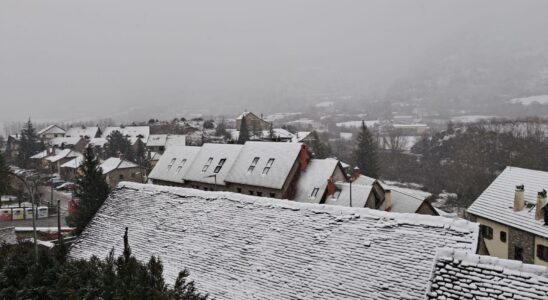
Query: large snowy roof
[217, 152]
[403, 203]
[97, 142]
[73, 164]
[315, 176]
[360, 194]
[279, 158]
[157, 140]
[497, 201]
[52, 129]
[167, 167]
[64, 141]
[166, 140]
[45, 154]
[65, 153]
[461, 275]
[114, 163]
[131, 132]
[243, 247]
[82, 131]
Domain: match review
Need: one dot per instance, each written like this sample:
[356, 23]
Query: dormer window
[171, 163]
[179, 168]
[252, 166]
[314, 192]
[268, 166]
[206, 166]
[182, 163]
[219, 166]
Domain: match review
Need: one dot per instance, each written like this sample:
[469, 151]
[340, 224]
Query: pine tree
[365, 153]
[118, 144]
[140, 154]
[30, 145]
[4, 180]
[92, 191]
[320, 149]
[244, 132]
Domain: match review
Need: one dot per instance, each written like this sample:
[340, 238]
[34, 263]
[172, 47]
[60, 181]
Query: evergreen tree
[221, 130]
[140, 154]
[320, 149]
[118, 144]
[30, 145]
[92, 191]
[4, 179]
[244, 132]
[365, 153]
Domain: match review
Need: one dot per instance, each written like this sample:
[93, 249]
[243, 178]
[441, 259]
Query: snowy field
[540, 99]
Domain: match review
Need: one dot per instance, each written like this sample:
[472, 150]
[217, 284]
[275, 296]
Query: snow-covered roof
[155, 156]
[174, 140]
[166, 140]
[82, 131]
[73, 164]
[157, 140]
[403, 203]
[315, 176]
[272, 164]
[65, 153]
[114, 163]
[216, 152]
[51, 129]
[365, 180]
[45, 154]
[360, 194]
[174, 164]
[461, 275]
[242, 247]
[97, 142]
[131, 132]
[497, 201]
[64, 141]
[300, 136]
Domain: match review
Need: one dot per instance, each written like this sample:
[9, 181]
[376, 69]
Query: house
[247, 247]
[75, 143]
[268, 169]
[173, 165]
[39, 160]
[84, 132]
[116, 169]
[50, 132]
[98, 146]
[462, 275]
[510, 211]
[253, 122]
[133, 133]
[12, 146]
[69, 170]
[63, 156]
[315, 179]
[160, 142]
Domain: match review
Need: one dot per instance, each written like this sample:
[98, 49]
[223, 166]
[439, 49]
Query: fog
[66, 60]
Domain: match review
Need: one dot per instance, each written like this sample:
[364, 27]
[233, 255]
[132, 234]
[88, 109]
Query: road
[45, 197]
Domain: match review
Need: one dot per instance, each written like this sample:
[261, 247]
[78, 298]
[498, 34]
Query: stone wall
[525, 240]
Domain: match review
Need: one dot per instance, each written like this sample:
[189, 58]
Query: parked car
[57, 183]
[67, 186]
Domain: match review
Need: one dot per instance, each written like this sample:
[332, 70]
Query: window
[179, 169]
[239, 190]
[171, 163]
[183, 162]
[542, 252]
[121, 176]
[272, 195]
[518, 253]
[260, 194]
[314, 192]
[336, 194]
[268, 165]
[251, 192]
[503, 236]
[486, 232]
[219, 166]
[252, 166]
[206, 166]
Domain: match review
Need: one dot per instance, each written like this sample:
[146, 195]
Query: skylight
[206, 166]
[268, 166]
[252, 166]
[220, 165]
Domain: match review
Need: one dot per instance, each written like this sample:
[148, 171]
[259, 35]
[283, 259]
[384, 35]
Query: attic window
[220, 165]
[183, 162]
[206, 166]
[314, 192]
[171, 163]
[252, 166]
[268, 165]
[179, 169]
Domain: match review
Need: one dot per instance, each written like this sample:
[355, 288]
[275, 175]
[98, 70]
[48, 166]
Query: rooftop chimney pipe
[519, 198]
[541, 201]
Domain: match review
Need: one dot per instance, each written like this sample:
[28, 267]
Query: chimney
[541, 201]
[356, 174]
[304, 157]
[387, 200]
[331, 188]
[519, 198]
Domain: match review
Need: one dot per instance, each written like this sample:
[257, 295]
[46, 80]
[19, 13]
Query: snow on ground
[471, 118]
[540, 99]
[357, 124]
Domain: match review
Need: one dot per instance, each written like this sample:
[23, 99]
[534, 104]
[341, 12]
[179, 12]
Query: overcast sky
[73, 59]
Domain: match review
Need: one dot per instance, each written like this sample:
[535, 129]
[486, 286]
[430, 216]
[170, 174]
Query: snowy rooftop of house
[73, 164]
[114, 163]
[157, 140]
[461, 275]
[82, 131]
[313, 180]
[64, 141]
[264, 164]
[155, 156]
[360, 194]
[300, 136]
[365, 180]
[497, 201]
[131, 132]
[242, 247]
[45, 154]
[174, 164]
[65, 153]
[403, 202]
[212, 160]
[97, 142]
[51, 129]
